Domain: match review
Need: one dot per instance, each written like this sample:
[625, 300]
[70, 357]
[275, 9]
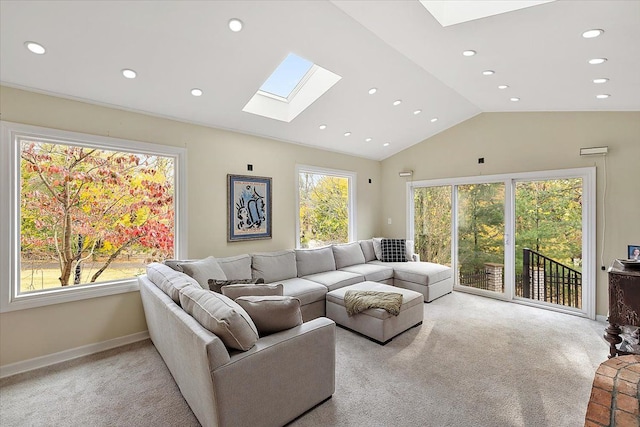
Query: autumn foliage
[80, 203]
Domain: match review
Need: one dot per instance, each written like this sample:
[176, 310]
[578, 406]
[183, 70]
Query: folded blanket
[358, 301]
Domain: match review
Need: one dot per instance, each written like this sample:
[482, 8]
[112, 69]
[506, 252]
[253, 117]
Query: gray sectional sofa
[226, 386]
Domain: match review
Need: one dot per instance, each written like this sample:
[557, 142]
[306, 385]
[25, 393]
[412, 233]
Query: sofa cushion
[367, 250]
[377, 247]
[371, 272]
[169, 280]
[422, 273]
[394, 250]
[217, 285]
[274, 266]
[305, 290]
[222, 316]
[240, 290]
[236, 267]
[335, 279]
[348, 254]
[312, 261]
[272, 313]
[203, 270]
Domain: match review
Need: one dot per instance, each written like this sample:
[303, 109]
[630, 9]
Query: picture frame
[248, 207]
[633, 252]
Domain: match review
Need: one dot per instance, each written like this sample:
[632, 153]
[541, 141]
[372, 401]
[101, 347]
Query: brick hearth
[615, 394]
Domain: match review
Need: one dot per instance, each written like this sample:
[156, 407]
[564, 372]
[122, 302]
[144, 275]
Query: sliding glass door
[526, 237]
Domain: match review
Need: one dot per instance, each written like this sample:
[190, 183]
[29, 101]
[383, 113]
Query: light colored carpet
[473, 362]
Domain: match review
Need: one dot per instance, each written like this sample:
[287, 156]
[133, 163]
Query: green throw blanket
[358, 301]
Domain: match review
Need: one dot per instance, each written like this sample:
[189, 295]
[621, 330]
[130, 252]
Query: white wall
[211, 155]
[522, 142]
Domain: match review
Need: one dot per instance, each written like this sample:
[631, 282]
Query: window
[86, 213]
[326, 208]
[287, 76]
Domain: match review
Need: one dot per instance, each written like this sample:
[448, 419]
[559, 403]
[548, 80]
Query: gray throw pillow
[222, 316]
[203, 270]
[272, 313]
[217, 285]
[241, 290]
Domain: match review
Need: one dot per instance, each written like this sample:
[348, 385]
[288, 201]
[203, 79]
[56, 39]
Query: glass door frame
[588, 176]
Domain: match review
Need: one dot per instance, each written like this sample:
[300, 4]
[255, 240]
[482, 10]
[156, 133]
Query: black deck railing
[545, 279]
[542, 279]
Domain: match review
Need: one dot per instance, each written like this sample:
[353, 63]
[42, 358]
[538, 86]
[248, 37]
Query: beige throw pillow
[272, 313]
[243, 290]
[203, 270]
[219, 314]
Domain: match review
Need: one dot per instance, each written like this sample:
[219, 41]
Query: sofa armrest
[281, 377]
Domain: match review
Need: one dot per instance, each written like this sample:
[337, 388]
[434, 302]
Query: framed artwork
[633, 252]
[248, 208]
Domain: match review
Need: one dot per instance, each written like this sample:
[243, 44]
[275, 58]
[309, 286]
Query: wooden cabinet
[624, 306]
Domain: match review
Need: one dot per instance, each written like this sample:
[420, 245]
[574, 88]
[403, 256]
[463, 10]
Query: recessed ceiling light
[35, 47]
[435, 119]
[196, 92]
[469, 52]
[514, 99]
[503, 87]
[367, 140]
[417, 112]
[386, 144]
[603, 96]
[596, 61]
[397, 102]
[592, 33]
[372, 90]
[600, 80]
[130, 74]
[347, 133]
[235, 25]
[322, 127]
[488, 72]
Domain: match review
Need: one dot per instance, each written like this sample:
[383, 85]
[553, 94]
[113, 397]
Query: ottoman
[376, 323]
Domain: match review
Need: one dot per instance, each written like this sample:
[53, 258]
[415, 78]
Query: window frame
[351, 176]
[10, 135]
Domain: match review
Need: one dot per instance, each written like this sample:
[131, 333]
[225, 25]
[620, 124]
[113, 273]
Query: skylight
[292, 87]
[456, 12]
[287, 76]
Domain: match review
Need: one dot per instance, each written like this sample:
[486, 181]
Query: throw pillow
[217, 285]
[272, 313]
[236, 291]
[222, 316]
[203, 270]
[169, 280]
[377, 247]
[393, 250]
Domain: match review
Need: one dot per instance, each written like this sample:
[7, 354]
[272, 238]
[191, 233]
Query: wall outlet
[388, 220]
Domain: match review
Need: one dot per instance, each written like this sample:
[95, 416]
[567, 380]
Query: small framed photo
[248, 208]
[633, 252]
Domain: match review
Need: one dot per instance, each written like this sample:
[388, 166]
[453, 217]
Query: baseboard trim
[73, 353]
[601, 318]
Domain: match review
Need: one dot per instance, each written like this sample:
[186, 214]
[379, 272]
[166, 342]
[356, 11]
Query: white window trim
[9, 213]
[351, 200]
[588, 176]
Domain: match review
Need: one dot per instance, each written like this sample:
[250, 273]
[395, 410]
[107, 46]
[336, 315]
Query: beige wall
[522, 142]
[211, 155]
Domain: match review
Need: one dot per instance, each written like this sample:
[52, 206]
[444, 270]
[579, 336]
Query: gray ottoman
[376, 323]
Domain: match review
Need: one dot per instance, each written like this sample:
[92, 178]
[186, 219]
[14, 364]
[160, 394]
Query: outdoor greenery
[324, 213]
[84, 206]
[548, 220]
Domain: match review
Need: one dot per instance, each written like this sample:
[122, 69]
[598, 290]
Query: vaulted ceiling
[397, 47]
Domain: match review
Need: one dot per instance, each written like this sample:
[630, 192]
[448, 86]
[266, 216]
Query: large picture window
[87, 213]
[326, 208]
